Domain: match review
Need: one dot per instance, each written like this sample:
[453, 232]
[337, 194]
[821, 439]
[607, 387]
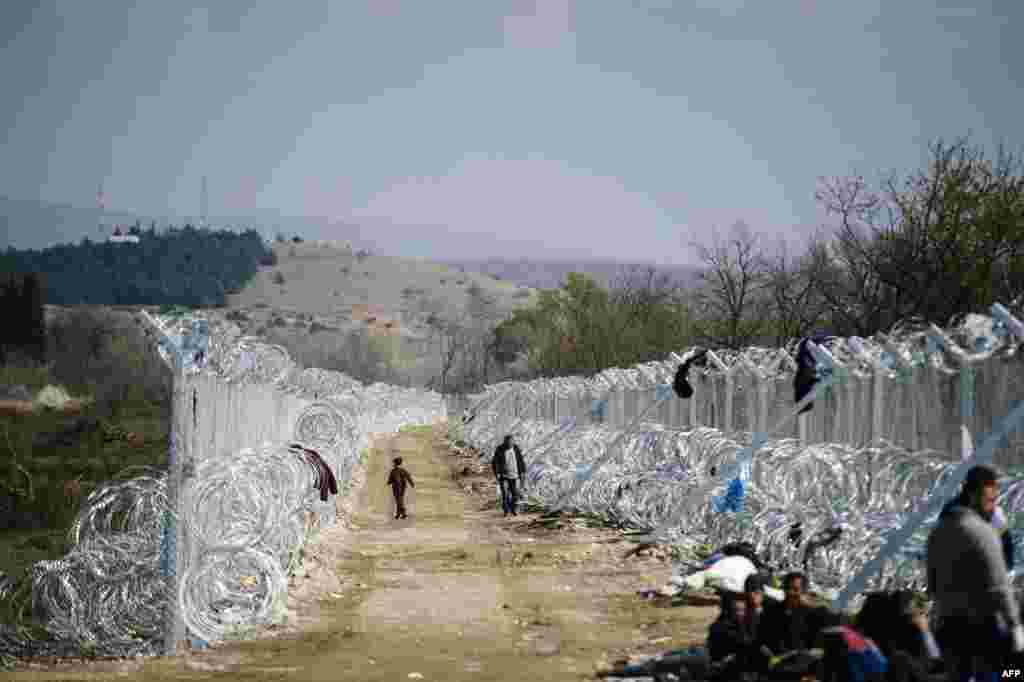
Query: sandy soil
[456, 592]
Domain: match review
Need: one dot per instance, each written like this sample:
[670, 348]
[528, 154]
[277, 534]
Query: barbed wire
[660, 479]
[244, 515]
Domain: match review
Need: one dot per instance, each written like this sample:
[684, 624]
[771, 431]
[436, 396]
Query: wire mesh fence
[202, 550]
[734, 462]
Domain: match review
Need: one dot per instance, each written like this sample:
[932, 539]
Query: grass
[93, 460]
[95, 356]
[416, 428]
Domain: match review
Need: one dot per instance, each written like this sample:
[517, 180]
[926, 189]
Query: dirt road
[456, 592]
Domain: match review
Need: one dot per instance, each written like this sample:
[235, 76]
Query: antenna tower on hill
[101, 203]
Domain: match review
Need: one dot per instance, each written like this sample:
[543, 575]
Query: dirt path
[455, 592]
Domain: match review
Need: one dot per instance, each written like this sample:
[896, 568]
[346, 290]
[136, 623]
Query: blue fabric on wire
[732, 500]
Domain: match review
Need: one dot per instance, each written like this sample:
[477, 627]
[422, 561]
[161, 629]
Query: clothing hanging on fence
[807, 369]
[681, 384]
[325, 480]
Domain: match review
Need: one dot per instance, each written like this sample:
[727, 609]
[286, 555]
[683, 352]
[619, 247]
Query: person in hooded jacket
[999, 523]
[979, 621]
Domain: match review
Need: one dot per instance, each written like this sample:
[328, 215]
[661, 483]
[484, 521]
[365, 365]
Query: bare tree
[797, 304]
[730, 293]
[482, 317]
[939, 243]
[647, 309]
[451, 336]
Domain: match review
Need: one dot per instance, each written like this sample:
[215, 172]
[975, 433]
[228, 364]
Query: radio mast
[101, 203]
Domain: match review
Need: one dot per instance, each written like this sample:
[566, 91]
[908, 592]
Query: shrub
[296, 239]
[105, 354]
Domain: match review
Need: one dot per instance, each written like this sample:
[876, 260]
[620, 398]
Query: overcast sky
[625, 128]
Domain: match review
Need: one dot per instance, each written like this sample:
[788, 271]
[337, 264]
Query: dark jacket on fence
[498, 462]
[325, 480]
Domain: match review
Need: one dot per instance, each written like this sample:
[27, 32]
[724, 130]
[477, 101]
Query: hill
[183, 267]
[550, 274]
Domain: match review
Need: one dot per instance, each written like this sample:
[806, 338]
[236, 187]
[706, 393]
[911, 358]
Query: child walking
[397, 479]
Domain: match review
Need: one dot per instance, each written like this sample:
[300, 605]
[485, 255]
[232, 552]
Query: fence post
[171, 545]
[878, 391]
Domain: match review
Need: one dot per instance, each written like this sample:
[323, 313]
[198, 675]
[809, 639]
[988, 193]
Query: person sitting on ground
[509, 469]
[793, 625]
[398, 479]
[980, 624]
[753, 593]
[902, 633]
[732, 644]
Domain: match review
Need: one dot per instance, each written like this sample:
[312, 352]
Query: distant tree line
[932, 246]
[186, 266]
[24, 327]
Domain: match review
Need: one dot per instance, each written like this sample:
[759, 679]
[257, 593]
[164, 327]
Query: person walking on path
[398, 479]
[509, 468]
[979, 621]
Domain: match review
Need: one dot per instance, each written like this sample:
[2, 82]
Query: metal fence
[202, 551]
[907, 391]
[889, 438]
[239, 501]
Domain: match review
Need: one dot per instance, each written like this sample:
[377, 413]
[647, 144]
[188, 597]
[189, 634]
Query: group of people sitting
[755, 638]
[979, 634]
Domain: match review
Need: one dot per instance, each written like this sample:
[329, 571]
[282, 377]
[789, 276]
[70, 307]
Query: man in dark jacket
[793, 625]
[509, 468]
[398, 479]
[979, 619]
[733, 637]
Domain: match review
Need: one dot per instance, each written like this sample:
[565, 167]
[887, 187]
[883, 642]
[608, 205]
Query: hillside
[549, 274]
[328, 284]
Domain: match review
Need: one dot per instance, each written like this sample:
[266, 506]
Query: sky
[605, 128]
